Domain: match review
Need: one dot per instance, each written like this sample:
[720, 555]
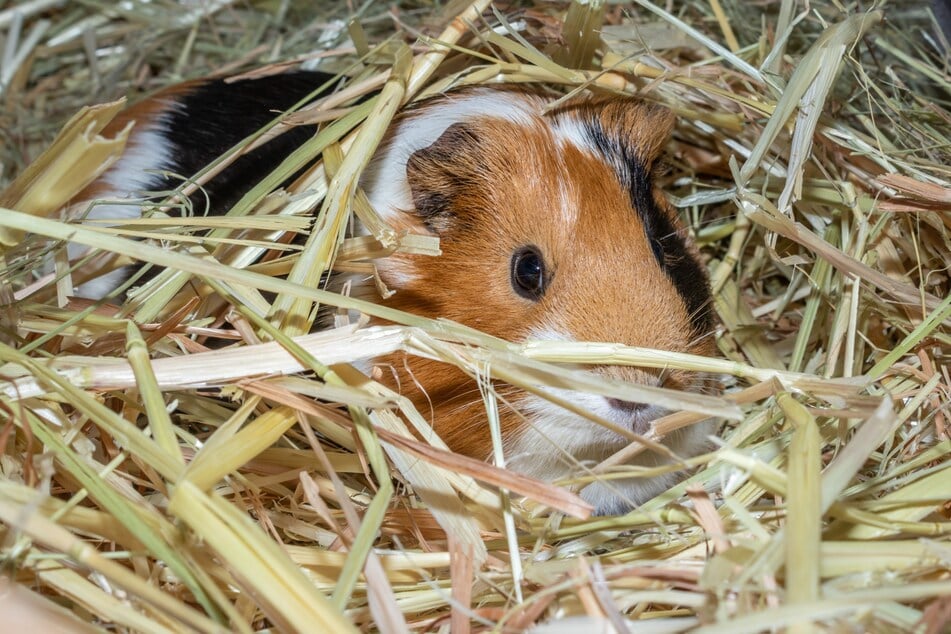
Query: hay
[152, 484]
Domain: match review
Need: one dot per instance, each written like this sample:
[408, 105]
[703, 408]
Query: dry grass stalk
[151, 483]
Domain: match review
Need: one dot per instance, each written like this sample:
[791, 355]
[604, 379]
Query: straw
[194, 455]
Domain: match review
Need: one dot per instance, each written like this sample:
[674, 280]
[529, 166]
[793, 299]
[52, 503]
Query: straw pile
[155, 480]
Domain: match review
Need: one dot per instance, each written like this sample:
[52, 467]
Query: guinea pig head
[550, 228]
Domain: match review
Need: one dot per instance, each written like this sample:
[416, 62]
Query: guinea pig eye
[529, 278]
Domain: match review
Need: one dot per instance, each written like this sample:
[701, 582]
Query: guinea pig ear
[442, 173]
[642, 127]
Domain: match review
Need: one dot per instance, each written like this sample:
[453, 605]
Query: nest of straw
[176, 462]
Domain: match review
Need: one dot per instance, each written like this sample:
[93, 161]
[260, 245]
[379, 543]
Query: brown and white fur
[491, 173]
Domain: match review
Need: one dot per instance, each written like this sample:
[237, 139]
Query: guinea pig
[550, 227]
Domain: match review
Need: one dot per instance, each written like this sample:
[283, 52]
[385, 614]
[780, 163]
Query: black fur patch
[217, 115]
[214, 117]
[668, 246]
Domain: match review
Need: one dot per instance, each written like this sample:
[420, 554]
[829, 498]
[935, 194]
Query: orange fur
[512, 186]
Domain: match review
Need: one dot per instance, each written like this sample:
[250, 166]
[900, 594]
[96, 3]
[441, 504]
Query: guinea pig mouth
[635, 416]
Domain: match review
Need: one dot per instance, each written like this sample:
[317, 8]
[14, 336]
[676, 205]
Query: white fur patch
[385, 178]
[569, 130]
[554, 427]
[569, 208]
[572, 131]
[147, 149]
[559, 443]
[99, 287]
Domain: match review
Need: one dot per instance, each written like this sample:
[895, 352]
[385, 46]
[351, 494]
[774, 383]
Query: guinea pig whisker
[709, 222]
[699, 338]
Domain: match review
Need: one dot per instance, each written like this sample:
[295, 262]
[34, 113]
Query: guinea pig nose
[628, 407]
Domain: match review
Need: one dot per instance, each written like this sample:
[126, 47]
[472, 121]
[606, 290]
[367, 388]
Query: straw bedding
[172, 461]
